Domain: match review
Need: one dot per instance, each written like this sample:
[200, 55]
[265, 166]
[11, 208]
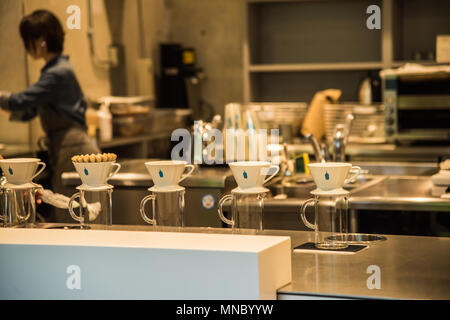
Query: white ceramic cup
[96, 174]
[332, 175]
[252, 174]
[21, 170]
[168, 173]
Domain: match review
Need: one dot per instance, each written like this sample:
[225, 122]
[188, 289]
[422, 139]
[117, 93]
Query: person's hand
[38, 196]
[4, 113]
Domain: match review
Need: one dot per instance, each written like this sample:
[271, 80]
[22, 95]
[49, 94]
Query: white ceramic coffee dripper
[167, 174]
[330, 177]
[330, 203]
[96, 174]
[251, 175]
[248, 198]
[167, 196]
[94, 177]
[21, 170]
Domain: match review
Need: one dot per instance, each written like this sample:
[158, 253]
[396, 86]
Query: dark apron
[65, 138]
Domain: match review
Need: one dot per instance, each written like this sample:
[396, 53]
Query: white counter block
[95, 264]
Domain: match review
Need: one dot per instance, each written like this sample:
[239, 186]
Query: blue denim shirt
[57, 89]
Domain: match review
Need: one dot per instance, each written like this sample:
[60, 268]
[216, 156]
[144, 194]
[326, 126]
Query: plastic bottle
[105, 122]
[92, 122]
[365, 92]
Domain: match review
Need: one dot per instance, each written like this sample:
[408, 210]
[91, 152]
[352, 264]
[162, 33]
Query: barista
[56, 97]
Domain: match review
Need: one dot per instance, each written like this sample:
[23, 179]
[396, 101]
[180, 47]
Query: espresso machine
[180, 81]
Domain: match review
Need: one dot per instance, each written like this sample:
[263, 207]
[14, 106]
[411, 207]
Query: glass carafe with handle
[246, 210]
[18, 204]
[94, 207]
[330, 218]
[167, 205]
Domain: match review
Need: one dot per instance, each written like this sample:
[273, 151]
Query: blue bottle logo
[86, 172]
[10, 171]
[161, 174]
[327, 176]
[245, 175]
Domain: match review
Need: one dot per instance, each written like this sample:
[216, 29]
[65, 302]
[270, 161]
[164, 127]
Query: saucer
[28, 185]
[334, 192]
[85, 187]
[254, 190]
[167, 189]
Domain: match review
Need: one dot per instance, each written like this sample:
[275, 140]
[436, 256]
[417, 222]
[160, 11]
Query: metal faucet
[340, 138]
[320, 150]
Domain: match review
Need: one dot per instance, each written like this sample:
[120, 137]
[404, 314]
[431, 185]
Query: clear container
[18, 205]
[330, 220]
[94, 207]
[246, 211]
[167, 207]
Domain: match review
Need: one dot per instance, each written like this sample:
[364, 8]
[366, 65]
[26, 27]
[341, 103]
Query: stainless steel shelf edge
[298, 67]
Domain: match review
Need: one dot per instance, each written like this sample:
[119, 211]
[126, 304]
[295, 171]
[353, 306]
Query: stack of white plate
[441, 181]
[367, 126]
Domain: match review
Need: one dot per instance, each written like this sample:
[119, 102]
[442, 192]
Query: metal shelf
[299, 67]
[122, 141]
[421, 62]
[260, 68]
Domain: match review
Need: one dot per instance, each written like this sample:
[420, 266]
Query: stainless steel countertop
[405, 193]
[400, 193]
[411, 267]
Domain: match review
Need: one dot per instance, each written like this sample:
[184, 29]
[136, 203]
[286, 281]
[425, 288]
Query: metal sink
[387, 198]
[372, 173]
[292, 190]
[399, 168]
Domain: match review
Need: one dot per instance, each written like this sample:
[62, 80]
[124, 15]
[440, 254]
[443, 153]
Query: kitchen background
[248, 50]
[273, 56]
[139, 26]
[272, 51]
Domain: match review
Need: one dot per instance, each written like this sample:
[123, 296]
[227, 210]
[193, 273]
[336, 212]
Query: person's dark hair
[42, 23]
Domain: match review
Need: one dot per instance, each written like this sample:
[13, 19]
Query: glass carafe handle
[224, 199]
[303, 213]
[151, 197]
[70, 206]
